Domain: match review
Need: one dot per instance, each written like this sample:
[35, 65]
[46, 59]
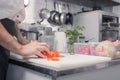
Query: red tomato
[45, 53]
[54, 53]
[53, 56]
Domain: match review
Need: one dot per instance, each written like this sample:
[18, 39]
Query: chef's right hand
[34, 48]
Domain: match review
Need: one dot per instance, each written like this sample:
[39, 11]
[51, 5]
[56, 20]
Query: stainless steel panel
[91, 3]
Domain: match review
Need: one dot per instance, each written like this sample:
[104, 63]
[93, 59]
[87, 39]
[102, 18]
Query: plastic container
[86, 48]
[82, 48]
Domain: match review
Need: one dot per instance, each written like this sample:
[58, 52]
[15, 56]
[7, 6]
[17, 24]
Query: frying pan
[69, 17]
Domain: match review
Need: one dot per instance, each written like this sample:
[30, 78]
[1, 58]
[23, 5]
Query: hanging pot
[57, 18]
[51, 18]
[44, 13]
[52, 15]
[69, 17]
[62, 18]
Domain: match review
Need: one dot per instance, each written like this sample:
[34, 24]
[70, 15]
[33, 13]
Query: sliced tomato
[45, 53]
[53, 56]
[52, 59]
[55, 53]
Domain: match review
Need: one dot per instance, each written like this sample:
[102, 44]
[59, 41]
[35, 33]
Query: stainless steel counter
[54, 74]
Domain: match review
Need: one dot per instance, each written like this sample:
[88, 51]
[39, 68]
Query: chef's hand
[34, 48]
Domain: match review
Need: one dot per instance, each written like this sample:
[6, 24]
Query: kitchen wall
[32, 11]
[116, 9]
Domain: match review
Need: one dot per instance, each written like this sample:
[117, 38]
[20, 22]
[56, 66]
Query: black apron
[4, 53]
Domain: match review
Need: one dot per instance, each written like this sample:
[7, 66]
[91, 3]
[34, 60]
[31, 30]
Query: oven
[99, 25]
[110, 27]
[110, 34]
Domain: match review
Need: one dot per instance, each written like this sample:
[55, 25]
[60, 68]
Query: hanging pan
[69, 17]
[44, 12]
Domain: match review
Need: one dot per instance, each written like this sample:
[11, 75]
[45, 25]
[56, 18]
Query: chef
[9, 19]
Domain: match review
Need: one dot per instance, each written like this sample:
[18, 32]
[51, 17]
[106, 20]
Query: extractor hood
[92, 3]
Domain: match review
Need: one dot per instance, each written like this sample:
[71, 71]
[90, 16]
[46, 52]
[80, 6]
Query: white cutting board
[70, 61]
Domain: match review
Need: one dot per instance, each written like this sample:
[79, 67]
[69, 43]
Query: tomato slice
[52, 59]
[45, 53]
[53, 56]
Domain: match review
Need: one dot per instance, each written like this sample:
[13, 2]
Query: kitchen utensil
[30, 35]
[62, 15]
[51, 18]
[44, 12]
[57, 15]
[70, 62]
[57, 18]
[62, 18]
[52, 15]
[69, 17]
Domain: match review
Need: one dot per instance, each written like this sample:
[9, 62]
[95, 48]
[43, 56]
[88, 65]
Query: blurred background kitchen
[88, 21]
[44, 18]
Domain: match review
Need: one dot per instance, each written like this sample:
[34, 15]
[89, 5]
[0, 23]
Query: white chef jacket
[13, 9]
